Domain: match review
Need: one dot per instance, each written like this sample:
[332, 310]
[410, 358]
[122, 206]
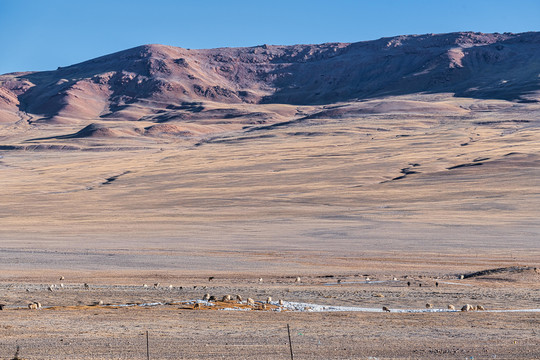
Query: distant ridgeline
[171, 81]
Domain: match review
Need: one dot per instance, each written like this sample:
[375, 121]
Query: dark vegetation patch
[114, 178]
[233, 140]
[465, 165]
[494, 122]
[187, 106]
[510, 269]
[406, 172]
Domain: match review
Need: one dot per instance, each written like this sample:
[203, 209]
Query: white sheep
[429, 306]
[226, 298]
[206, 297]
[298, 279]
[467, 307]
[480, 308]
[281, 302]
[34, 306]
[451, 307]
[238, 298]
[156, 285]
[269, 300]
[250, 301]
[260, 280]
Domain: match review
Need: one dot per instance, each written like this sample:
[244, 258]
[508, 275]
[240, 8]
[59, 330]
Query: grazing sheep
[206, 297]
[280, 302]
[451, 307]
[297, 279]
[144, 285]
[461, 277]
[98, 303]
[86, 286]
[210, 278]
[61, 285]
[480, 308]
[2, 306]
[170, 287]
[62, 278]
[368, 279]
[339, 281]
[197, 306]
[156, 285]
[269, 300]
[238, 298]
[467, 307]
[260, 280]
[394, 279]
[226, 298]
[429, 306]
[263, 306]
[33, 306]
[250, 301]
[384, 308]
[50, 288]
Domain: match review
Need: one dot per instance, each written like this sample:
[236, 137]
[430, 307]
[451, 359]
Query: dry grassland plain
[400, 191]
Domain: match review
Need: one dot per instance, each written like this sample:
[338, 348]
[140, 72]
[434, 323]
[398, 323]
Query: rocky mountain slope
[160, 84]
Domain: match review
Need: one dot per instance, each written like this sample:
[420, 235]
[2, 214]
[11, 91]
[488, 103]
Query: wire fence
[148, 345]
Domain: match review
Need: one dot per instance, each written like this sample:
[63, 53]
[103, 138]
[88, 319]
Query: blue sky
[45, 34]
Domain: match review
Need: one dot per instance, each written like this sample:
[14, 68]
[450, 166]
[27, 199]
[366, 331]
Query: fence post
[147, 347]
[290, 343]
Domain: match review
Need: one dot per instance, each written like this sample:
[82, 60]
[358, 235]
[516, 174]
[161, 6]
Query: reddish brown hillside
[163, 83]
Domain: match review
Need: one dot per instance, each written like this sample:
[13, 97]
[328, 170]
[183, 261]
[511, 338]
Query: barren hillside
[163, 83]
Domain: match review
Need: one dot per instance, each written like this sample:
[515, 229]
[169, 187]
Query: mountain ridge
[150, 81]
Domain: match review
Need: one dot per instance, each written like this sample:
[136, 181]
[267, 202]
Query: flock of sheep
[228, 298]
[466, 307]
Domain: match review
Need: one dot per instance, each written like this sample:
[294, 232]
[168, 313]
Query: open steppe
[171, 166]
[419, 197]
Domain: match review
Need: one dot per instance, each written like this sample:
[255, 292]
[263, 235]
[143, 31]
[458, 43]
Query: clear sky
[45, 34]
